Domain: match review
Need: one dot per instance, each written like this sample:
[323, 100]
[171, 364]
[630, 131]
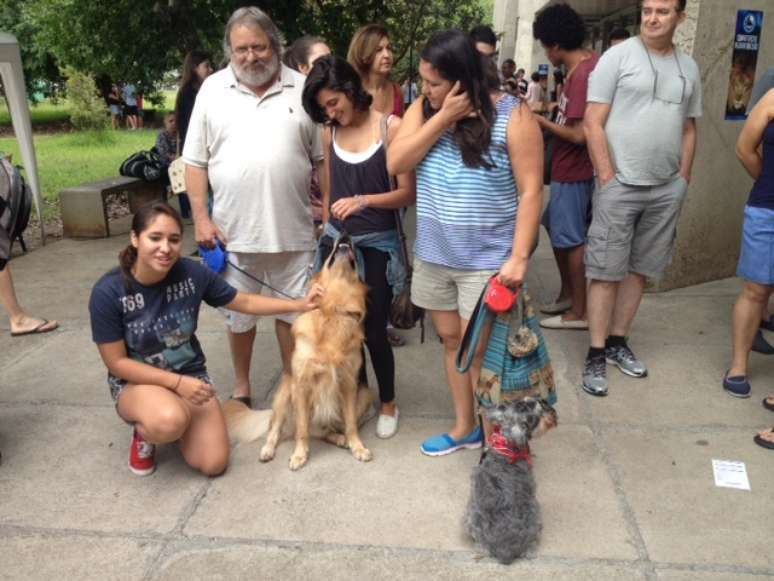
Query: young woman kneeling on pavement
[143, 318]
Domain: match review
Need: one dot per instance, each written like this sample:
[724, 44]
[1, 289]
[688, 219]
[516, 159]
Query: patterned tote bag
[516, 361]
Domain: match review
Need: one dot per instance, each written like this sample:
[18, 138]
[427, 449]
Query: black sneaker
[595, 376]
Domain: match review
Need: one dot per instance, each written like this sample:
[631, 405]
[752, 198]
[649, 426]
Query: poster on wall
[747, 37]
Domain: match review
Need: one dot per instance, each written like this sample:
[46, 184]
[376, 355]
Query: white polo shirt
[257, 153]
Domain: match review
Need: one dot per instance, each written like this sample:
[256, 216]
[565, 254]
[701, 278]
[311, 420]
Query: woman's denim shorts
[756, 261]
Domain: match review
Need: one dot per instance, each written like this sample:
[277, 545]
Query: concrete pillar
[710, 226]
[506, 18]
[528, 53]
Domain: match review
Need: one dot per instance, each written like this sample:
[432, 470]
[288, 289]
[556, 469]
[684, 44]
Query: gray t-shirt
[645, 132]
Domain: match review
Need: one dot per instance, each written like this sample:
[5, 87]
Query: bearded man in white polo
[251, 140]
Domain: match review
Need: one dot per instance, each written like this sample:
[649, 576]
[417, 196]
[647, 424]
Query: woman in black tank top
[358, 198]
[755, 149]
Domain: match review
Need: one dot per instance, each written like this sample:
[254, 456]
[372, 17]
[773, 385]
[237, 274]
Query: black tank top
[762, 194]
[361, 175]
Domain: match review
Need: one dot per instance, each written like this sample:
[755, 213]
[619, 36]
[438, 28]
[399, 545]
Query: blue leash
[217, 260]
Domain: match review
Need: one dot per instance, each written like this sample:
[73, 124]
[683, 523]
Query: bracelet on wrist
[179, 379]
[360, 202]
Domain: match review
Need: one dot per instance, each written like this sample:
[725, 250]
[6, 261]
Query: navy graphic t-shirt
[158, 322]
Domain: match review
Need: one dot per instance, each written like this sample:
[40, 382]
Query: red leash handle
[499, 298]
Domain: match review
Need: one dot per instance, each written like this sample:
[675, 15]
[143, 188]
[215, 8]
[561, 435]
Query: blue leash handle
[216, 260]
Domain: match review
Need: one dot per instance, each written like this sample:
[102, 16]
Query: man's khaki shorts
[633, 229]
[288, 272]
[439, 288]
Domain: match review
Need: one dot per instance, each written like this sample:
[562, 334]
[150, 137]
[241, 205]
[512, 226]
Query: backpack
[145, 165]
[15, 203]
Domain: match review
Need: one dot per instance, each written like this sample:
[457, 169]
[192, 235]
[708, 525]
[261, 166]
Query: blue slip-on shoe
[445, 444]
[737, 386]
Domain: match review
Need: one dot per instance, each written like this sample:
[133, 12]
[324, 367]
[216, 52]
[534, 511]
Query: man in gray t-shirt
[643, 98]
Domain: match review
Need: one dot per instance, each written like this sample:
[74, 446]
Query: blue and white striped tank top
[466, 217]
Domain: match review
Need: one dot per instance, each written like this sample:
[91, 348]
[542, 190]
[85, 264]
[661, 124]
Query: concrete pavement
[625, 482]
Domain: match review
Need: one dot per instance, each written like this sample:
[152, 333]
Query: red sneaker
[142, 456]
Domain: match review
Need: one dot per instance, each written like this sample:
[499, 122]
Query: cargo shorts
[633, 229]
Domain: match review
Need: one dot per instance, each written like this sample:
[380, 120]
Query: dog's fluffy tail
[243, 424]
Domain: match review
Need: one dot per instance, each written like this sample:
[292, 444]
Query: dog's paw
[337, 439]
[363, 454]
[297, 461]
[267, 454]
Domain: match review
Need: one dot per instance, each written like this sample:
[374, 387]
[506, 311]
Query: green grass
[169, 100]
[44, 113]
[70, 159]
[66, 158]
[47, 114]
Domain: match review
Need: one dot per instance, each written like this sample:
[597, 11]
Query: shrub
[88, 109]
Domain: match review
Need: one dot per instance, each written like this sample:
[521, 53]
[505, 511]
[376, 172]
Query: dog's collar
[499, 444]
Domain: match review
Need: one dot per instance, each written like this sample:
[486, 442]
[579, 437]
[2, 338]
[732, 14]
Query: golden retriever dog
[321, 396]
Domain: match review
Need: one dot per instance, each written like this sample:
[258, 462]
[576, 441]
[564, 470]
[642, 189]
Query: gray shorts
[288, 272]
[440, 288]
[633, 229]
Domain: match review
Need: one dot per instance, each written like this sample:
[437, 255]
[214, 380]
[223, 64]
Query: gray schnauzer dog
[503, 514]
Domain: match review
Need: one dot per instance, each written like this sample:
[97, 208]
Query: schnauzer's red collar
[498, 443]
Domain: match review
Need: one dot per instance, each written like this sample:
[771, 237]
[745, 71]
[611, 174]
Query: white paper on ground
[730, 474]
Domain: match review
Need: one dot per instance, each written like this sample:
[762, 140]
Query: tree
[410, 23]
[41, 73]
[114, 40]
[89, 110]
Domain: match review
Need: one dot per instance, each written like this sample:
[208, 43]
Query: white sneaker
[387, 426]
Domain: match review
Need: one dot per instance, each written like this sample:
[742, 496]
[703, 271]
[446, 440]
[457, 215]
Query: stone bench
[84, 212]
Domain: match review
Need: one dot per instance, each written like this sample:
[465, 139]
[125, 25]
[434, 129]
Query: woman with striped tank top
[471, 157]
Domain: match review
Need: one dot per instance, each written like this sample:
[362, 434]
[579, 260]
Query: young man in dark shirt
[561, 31]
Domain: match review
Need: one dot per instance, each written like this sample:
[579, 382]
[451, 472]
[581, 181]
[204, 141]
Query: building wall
[710, 226]
[529, 54]
[506, 18]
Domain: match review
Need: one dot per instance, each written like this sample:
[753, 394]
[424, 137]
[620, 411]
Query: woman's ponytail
[126, 259]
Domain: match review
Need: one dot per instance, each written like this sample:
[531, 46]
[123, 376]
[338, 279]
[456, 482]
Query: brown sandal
[768, 444]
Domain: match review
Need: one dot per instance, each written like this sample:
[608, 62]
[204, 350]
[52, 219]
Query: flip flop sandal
[245, 399]
[767, 405]
[37, 330]
[764, 443]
